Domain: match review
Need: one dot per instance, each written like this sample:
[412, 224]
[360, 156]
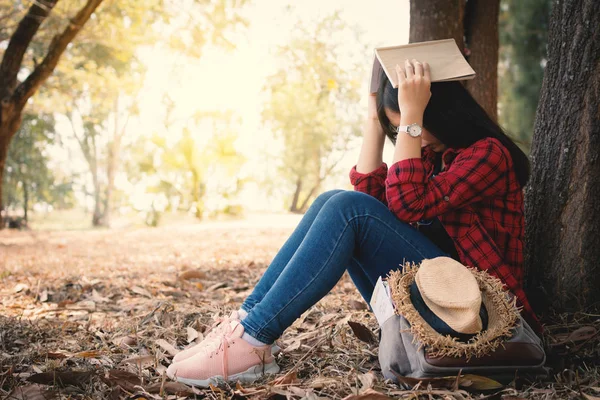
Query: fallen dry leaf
[169, 348]
[216, 286]
[141, 361]
[192, 334]
[124, 379]
[468, 381]
[98, 298]
[43, 296]
[62, 378]
[369, 394]
[32, 392]
[19, 287]
[321, 382]
[141, 291]
[477, 382]
[290, 378]
[125, 341]
[362, 332]
[367, 380]
[175, 388]
[578, 335]
[191, 274]
[358, 305]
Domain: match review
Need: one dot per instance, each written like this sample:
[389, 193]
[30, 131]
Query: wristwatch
[413, 130]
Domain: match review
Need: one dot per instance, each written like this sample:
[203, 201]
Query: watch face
[414, 130]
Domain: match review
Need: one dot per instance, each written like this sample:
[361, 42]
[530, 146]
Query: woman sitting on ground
[454, 189]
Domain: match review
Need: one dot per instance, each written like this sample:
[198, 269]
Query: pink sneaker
[230, 358]
[215, 331]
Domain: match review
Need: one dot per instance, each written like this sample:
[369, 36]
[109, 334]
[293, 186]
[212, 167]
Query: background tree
[314, 107]
[108, 41]
[562, 208]
[177, 176]
[474, 26]
[14, 93]
[523, 40]
[29, 180]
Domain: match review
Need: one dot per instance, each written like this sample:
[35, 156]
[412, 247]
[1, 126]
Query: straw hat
[443, 293]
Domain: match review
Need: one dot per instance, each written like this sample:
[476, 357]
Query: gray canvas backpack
[401, 353]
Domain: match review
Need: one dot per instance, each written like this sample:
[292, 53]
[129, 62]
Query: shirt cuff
[410, 170]
[356, 177]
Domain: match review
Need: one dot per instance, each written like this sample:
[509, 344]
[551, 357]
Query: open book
[443, 56]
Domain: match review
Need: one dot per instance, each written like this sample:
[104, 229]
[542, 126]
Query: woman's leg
[286, 252]
[349, 225]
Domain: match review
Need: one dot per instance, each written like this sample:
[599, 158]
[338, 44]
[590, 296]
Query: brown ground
[98, 314]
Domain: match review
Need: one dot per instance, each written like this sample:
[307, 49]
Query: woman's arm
[414, 83]
[371, 151]
[368, 175]
[478, 172]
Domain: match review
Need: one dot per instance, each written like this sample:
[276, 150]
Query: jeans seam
[245, 308]
[259, 331]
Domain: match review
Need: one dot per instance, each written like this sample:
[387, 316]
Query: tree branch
[19, 41]
[57, 47]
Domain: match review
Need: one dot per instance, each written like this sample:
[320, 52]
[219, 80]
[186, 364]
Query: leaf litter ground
[99, 315]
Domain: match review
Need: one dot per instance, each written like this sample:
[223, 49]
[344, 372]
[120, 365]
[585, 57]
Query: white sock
[242, 313]
[253, 341]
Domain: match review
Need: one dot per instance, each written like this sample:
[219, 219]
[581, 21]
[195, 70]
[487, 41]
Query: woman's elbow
[407, 212]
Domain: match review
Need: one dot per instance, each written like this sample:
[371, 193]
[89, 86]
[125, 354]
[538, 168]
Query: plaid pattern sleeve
[477, 172]
[372, 183]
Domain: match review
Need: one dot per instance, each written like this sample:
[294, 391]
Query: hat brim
[503, 315]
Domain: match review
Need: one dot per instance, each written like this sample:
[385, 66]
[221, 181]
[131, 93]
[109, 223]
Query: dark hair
[455, 118]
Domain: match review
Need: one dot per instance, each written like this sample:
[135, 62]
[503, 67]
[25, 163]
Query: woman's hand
[414, 84]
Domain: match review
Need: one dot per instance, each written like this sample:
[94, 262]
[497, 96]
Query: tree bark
[14, 95]
[482, 41]
[436, 19]
[562, 206]
[477, 20]
[9, 125]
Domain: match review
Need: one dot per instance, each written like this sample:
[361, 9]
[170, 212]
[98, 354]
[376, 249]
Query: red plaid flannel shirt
[477, 198]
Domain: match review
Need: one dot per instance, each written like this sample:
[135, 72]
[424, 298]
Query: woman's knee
[325, 196]
[350, 198]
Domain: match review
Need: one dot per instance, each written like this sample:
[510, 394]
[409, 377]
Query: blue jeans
[342, 230]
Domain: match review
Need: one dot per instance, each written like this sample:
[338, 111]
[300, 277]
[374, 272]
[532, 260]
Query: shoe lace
[223, 344]
[218, 322]
[225, 340]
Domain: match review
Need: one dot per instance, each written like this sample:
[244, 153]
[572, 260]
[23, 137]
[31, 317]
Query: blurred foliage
[97, 80]
[177, 176]
[523, 39]
[29, 179]
[314, 105]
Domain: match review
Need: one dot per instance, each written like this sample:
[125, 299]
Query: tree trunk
[562, 207]
[25, 202]
[197, 193]
[296, 198]
[482, 40]
[310, 194]
[14, 94]
[9, 125]
[436, 19]
[443, 19]
[97, 216]
[114, 151]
